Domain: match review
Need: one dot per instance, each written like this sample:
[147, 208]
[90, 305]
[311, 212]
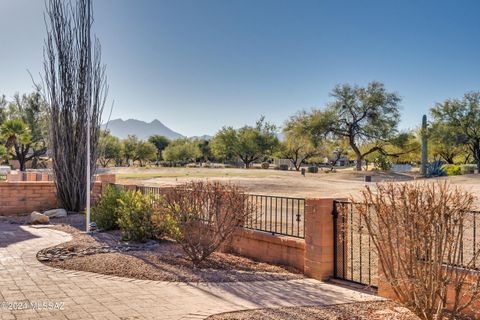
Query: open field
[344, 183]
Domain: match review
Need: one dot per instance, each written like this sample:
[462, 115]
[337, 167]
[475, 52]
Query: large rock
[38, 218]
[56, 213]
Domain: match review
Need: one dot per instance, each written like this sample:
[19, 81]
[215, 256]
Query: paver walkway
[83, 295]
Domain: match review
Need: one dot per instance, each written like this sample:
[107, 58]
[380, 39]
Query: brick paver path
[83, 295]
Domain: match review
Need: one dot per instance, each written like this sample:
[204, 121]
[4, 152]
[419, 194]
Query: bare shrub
[418, 230]
[205, 214]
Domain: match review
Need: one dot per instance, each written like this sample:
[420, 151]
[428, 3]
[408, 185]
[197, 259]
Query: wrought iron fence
[153, 191]
[273, 214]
[277, 215]
[355, 257]
[470, 244]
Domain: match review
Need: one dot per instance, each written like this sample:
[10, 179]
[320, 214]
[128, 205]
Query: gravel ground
[162, 261]
[352, 311]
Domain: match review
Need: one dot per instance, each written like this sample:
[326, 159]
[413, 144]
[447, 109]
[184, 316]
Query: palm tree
[14, 131]
[17, 136]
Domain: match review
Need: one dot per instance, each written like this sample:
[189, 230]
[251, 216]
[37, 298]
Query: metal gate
[355, 258]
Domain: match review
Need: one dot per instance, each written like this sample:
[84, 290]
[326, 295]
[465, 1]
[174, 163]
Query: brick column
[319, 242]
[31, 176]
[104, 177]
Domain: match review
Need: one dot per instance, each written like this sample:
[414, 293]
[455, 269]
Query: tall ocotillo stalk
[76, 89]
[424, 147]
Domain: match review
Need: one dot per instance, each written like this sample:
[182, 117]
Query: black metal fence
[470, 244]
[278, 215]
[355, 257]
[273, 214]
[154, 191]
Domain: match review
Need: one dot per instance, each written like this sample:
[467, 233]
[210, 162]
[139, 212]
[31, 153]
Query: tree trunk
[476, 153]
[357, 152]
[359, 161]
[20, 157]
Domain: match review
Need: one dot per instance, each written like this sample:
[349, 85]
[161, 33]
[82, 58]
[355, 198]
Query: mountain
[141, 129]
[204, 137]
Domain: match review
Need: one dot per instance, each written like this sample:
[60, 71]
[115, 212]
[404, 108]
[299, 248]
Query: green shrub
[104, 212]
[452, 169]
[312, 169]
[381, 162]
[265, 165]
[468, 168]
[135, 212]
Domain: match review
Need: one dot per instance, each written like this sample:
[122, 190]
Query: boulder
[56, 213]
[38, 218]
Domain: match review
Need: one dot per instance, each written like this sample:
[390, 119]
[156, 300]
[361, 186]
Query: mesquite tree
[462, 116]
[366, 116]
[76, 89]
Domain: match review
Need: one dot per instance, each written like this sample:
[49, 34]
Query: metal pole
[88, 172]
[88, 134]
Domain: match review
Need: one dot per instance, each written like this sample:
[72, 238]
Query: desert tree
[25, 129]
[3, 108]
[75, 89]
[182, 151]
[462, 116]
[447, 143]
[363, 115]
[205, 150]
[160, 142]
[145, 151]
[423, 237]
[249, 143]
[298, 146]
[130, 144]
[110, 149]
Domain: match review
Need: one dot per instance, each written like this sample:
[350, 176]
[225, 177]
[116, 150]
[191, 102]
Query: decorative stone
[38, 218]
[56, 213]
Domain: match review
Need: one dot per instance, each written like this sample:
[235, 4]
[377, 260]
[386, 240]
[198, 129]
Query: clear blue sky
[198, 65]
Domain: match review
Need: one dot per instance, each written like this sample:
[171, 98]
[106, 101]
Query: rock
[38, 218]
[56, 213]
[43, 258]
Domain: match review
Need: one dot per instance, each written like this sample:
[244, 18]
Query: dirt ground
[357, 311]
[344, 183]
[161, 261]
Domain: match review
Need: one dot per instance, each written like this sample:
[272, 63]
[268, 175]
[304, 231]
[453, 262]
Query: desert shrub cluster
[420, 232]
[452, 169]
[200, 216]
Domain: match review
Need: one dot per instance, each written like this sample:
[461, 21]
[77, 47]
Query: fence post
[319, 239]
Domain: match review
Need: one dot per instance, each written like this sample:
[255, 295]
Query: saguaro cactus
[424, 147]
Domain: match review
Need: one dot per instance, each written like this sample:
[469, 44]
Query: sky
[197, 65]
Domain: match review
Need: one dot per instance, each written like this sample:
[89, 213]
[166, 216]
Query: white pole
[88, 172]
[89, 111]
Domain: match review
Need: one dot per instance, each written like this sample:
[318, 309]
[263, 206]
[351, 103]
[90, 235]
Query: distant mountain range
[122, 128]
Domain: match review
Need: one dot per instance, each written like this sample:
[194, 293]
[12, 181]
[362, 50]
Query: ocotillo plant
[424, 147]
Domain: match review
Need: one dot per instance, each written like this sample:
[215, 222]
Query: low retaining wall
[386, 291]
[23, 197]
[268, 248]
